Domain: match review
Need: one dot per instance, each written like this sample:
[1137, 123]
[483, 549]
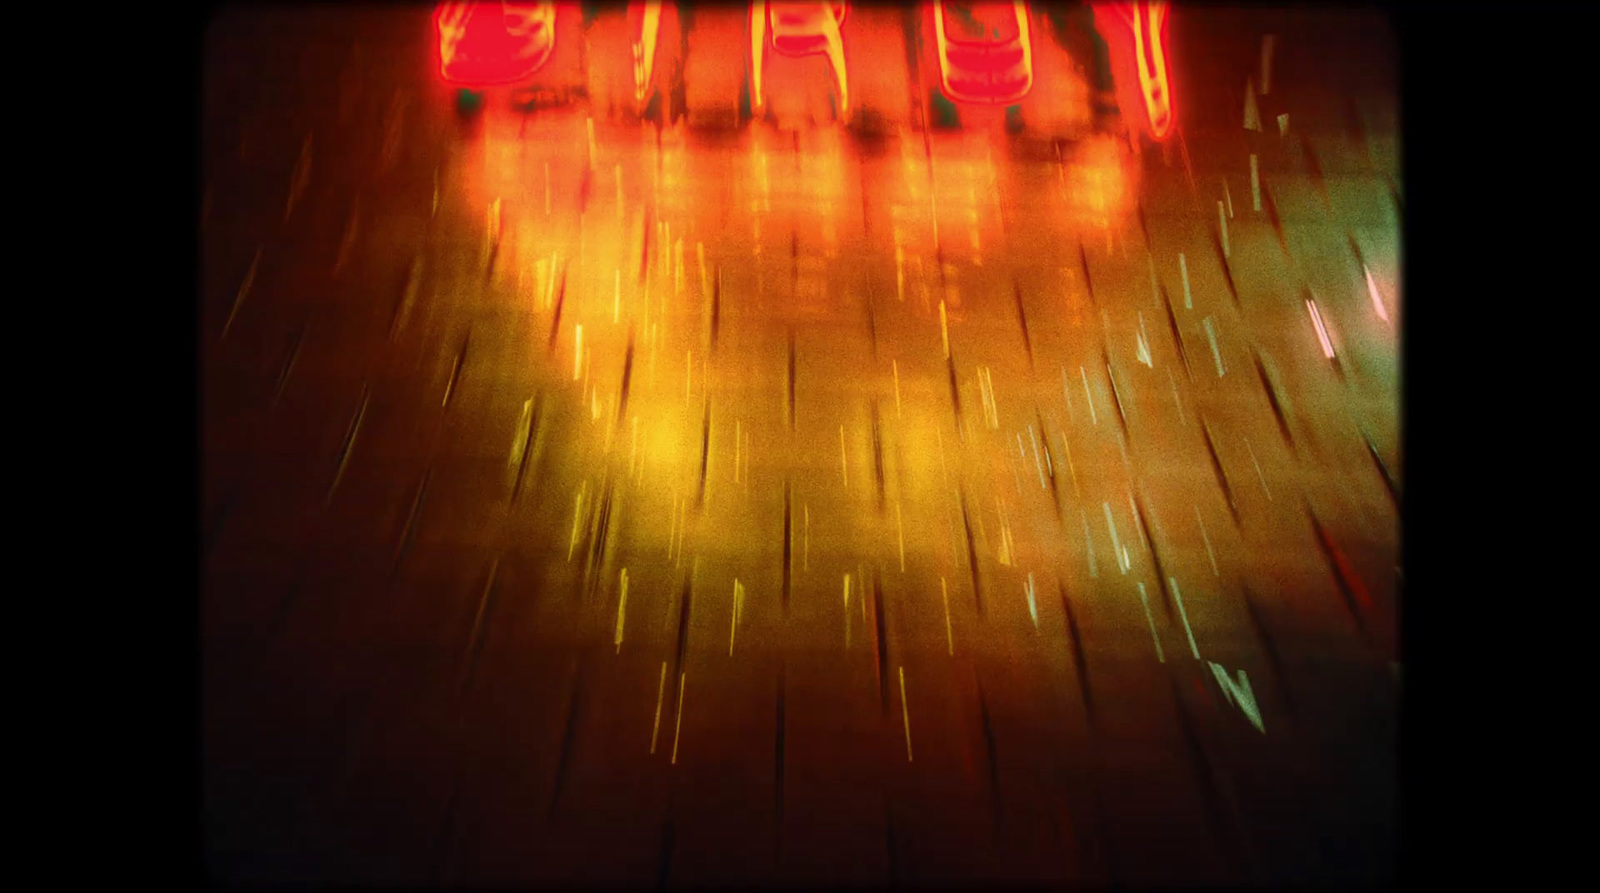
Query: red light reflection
[1136, 33]
[985, 51]
[488, 44]
[797, 29]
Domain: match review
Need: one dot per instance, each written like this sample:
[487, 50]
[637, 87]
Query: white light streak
[1183, 270]
[1377, 299]
[1178, 597]
[1255, 184]
[1216, 353]
[1322, 331]
[905, 712]
[1145, 600]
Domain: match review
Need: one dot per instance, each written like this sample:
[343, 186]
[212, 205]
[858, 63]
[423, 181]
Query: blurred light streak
[524, 426]
[1183, 270]
[944, 329]
[1175, 400]
[1262, 477]
[1116, 543]
[949, 636]
[683, 678]
[1145, 600]
[1207, 540]
[1222, 221]
[1033, 604]
[1036, 459]
[1240, 694]
[844, 468]
[1184, 614]
[1216, 354]
[905, 712]
[1093, 418]
[622, 611]
[1146, 54]
[577, 517]
[738, 609]
[244, 289]
[300, 178]
[661, 691]
[1322, 332]
[1255, 183]
[1372, 290]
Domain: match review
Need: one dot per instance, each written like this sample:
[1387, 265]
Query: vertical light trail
[1067, 450]
[1207, 540]
[1175, 400]
[577, 517]
[1178, 597]
[1255, 184]
[683, 677]
[1036, 460]
[905, 712]
[1093, 417]
[622, 610]
[1216, 353]
[661, 691]
[1322, 332]
[1259, 475]
[844, 467]
[1088, 545]
[949, 636]
[944, 330]
[1116, 544]
[1372, 290]
[1183, 269]
[1145, 600]
[577, 357]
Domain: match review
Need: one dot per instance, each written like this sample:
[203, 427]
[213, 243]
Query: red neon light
[486, 44]
[994, 65]
[1139, 36]
[797, 29]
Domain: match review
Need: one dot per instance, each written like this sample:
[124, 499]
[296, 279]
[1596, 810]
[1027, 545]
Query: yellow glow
[644, 52]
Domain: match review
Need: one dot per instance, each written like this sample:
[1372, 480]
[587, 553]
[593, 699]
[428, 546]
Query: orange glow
[1137, 35]
[1101, 184]
[487, 44]
[988, 57]
[758, 45]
